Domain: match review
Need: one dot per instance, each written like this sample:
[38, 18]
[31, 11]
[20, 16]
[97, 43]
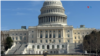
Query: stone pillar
[39, 33]
[48, 33]
[50, 19]
[52, 34]
[61, 34]
[56, 33]
[44, 34]
[55, 18]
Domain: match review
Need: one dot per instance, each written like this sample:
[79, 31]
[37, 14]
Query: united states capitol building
[52, 34]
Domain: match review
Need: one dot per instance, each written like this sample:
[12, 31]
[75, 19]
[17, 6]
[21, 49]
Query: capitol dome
[52, 13]
[52, 3]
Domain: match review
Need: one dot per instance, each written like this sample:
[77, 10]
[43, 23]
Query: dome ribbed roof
[52, 3]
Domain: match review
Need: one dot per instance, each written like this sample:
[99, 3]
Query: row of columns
[51, 19]
[48, 32]
[52, 10]
[45, 47]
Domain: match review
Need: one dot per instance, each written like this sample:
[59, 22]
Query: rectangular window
[42, 46]
[75, 37]
[62, 46]
[68, 35]
[16, 38]
[46, 41]
[32, 36]
[32, 41]
[41, 41]
[33, 46]
[52, 46]
[68, 40]
[24, 38]
[59, 41]
[38, 47]
[20, 37]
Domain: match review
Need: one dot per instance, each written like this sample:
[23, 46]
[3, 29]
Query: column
[44, 34]
[56, 33]
[39, 33]
[52, 34]
[48, 33]
[61, 33]
[55, 18]
[43, 19]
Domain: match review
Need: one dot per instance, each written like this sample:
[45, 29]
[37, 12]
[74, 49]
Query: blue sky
[15, 14]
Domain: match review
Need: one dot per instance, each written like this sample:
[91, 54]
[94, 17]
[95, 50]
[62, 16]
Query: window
[32, 31]
[16, 38]
[59, 36]
[62, 46]
[33, 46]
[57, 46]
[68, 40]
[78, 41]
[75, 37]
[41, 36]
[75, 33]
[46, 41]
[13, 38]
[16, 34]
[50, 41]
[41, 41]
[20, 37]
[50, 31]
[50, 36]
[12, 34]
[59, 30]
[32, 41]
[24, 38]
[53, 40]
[46, 31]
[78, 33]
[41, 31]
[68, 35]
[46, 36]
[52, 46]
[59, 41]
[78, 37]
[68, 31]
[42, 46]
[53, 31]
[53, 35]
[38, 47]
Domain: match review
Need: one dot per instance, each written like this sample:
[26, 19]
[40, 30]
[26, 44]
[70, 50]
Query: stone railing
[10, 48]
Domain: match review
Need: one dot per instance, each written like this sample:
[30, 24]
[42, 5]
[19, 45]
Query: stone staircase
[75, 48]
[14, 49]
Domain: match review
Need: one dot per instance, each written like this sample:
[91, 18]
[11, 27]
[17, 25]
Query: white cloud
[36, 3]
[19, 13]
[67, 13]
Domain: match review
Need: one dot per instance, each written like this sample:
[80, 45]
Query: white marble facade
[52, 33]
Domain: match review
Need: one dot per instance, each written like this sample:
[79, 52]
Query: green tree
[9, 42]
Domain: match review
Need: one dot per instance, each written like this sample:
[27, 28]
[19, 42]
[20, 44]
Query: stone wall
[43, 55]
